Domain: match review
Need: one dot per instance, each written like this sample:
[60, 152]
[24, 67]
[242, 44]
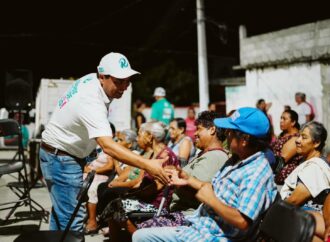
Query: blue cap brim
[224, 123]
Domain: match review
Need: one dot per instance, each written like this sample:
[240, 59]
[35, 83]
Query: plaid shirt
[247, 186]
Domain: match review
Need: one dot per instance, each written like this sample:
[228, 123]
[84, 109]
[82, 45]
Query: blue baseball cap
[247, 120]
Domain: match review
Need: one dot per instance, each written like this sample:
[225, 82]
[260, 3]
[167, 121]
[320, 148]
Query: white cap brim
[125, 74]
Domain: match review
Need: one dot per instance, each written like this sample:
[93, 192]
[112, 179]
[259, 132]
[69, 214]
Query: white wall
[50, 90]
[278, 85]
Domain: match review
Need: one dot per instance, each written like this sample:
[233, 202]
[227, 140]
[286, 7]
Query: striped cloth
[247, 186]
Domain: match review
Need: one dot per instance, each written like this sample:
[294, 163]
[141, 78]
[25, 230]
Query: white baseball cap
[116, 65]
[160, 92]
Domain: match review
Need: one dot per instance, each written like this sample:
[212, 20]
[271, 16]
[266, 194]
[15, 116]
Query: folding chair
[10, 128]
[285, 222]
[253, 234]
[66, 235]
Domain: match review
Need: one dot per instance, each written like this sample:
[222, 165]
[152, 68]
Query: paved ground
[16, 225]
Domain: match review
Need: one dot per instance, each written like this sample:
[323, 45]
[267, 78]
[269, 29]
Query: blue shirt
[247, 186]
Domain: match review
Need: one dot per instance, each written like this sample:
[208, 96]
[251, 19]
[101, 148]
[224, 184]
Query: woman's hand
[178, 176]
[87, 169]
[114, 184]
[206, 193]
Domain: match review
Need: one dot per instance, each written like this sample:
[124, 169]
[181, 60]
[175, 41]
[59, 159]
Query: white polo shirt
[80, 116]
[303, 109]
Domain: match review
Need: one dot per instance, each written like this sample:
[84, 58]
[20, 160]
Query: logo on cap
[235, 116]
[123, 63]
[101, 69]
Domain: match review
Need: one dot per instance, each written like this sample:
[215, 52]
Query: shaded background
[66, 39]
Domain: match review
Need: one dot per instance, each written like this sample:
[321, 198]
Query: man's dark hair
[206, 119]
[98, 75]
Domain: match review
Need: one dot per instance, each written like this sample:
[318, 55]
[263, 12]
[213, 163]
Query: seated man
[239, 193]
[203, 167]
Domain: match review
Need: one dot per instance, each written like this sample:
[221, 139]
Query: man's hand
[155, 169]
[206, 193]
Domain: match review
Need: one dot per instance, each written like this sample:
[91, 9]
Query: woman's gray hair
[130, 137]
[318, 133]
[156, 129]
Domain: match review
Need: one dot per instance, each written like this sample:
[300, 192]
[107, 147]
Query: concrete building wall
[281, 63]
[325, 76]
[278, 85]
[302, 43]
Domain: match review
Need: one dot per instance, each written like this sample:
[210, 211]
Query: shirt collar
[242, 163]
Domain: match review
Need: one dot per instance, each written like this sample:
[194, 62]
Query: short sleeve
[207, 165]
[306, 109]
[155, 112]
[314, 178]
[94, 117]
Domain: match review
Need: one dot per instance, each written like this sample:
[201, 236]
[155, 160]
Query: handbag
[115, 209]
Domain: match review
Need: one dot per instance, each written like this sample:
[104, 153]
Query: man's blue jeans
[64, 177]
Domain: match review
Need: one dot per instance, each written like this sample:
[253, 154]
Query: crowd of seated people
[240, 191]
[147, 195]
[221, 195]
[208, 138]
[104, 167]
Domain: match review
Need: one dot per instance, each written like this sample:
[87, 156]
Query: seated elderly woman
[181, 144]
[150, 191]
[104, 167]
[128, 177]
[307, 184]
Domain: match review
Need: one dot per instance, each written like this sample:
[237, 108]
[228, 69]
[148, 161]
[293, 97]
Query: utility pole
[203, 79]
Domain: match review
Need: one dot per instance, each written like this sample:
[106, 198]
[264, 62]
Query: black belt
[56, 151]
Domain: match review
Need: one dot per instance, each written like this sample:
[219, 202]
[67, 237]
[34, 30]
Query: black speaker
[18, 94]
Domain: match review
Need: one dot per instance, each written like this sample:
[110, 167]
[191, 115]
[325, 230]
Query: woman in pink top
[190, 122]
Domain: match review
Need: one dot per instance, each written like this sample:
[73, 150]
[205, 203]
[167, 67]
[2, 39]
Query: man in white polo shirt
[303, 109]
[78, 124]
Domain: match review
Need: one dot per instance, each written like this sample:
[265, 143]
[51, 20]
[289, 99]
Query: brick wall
[302, 43]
